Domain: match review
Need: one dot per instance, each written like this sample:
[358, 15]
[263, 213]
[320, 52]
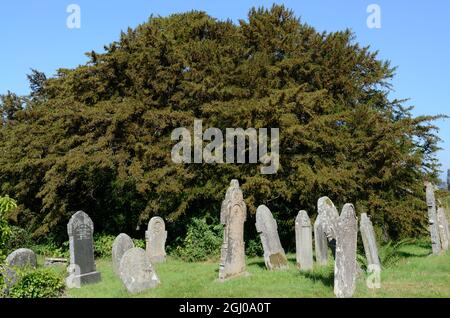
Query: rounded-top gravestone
[121, 244]
[21, 258]
[155, 237]
[137, 272]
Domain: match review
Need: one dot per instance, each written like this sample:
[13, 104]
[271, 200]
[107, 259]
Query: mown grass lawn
[415, 275]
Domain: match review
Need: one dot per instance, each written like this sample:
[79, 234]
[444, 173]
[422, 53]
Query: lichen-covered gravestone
[443, 228]
[369, 241]
[345, 267]
[121, 244]
[303, 241]
[23, 257]
[137, 272]
[81, 246]
[432, 218]
[233, 215]
[325, 229]
[155, 237]
[274, 255]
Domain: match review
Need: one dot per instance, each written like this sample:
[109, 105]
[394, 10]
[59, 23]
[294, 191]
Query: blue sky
[414, 36]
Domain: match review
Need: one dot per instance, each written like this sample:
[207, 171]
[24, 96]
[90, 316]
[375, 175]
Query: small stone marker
[443, 228]
[52, 261]
[369, 241]
[303, 241]
[137, 272]
[81, 245]
[274, 255]
[345, 266]
[121, 244]
[233, 215]
[432, 218]
[155, 238]
[23, 257]
[325, 229]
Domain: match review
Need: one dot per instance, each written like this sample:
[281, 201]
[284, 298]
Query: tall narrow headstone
[345, 267]
[432, 218]
[137, 272]
[155, 237]
[121, 244]
[303, 241]
[233, 215]
[448, 179]
[274, 255]
[369, 241]
[325, 229]
[443, 228]
[81, 245]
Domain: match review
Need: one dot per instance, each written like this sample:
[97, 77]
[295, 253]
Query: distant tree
[100, 139]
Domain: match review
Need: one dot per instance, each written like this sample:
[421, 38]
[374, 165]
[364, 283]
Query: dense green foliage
[7, 204]
[202, 241]
[39, 283]
[97, 137]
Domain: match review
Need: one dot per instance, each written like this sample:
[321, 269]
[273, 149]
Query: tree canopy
[97, 137]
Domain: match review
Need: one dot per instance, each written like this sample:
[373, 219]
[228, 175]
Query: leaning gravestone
[432, 218]
[121, 244]
[274, 255]
[325, 229]
[22, 257]
[155, 238]
[303, 241]
[345, 267]
[369, 241]
[137, 272]
[233, 215]
[443, 228]
[81, 245]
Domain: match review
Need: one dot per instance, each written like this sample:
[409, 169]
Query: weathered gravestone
[81, 246]
[20, 258]
[303, 241]
[121, 244]
[137, 272]
[369, 241]
[233, 215]
[345, 266]
[325, 229]
[274, 255]
[155, 238]
[432, 218]
[23, 257]
[443, 228]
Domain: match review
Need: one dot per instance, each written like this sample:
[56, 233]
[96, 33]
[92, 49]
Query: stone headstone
[233, 215]
[443, 228]
[345, 267]
[155, 238]
[325, 229]
[137, 272]
[121, 244]
[23, 257]
[448, 179]
[82, 268]
[54, 261]
[369, 241]
[303, 241]
[274, 255]
[432, 218]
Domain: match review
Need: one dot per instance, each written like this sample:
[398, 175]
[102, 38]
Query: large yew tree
[97, 137]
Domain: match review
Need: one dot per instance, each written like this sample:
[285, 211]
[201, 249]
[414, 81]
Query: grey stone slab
[155, 237]
[22, 257]
[303, 241]
[122, 243]
[274, 255]
[369, 240]
[432, 218]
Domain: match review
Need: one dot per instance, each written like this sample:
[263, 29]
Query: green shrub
[103, 245]
[202, 241]
[6, 205]
[18, 238]
[40, 283]
[254, 248]
[51, 249]
[139, 243]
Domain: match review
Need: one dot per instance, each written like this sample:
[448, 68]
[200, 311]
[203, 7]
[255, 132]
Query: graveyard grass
[416, 274]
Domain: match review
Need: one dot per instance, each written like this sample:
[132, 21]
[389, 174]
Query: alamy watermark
[236, 152]
[74, 19]
[374, 19]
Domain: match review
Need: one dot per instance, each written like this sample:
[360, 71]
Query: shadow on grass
[258, 263]
[326, 277]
